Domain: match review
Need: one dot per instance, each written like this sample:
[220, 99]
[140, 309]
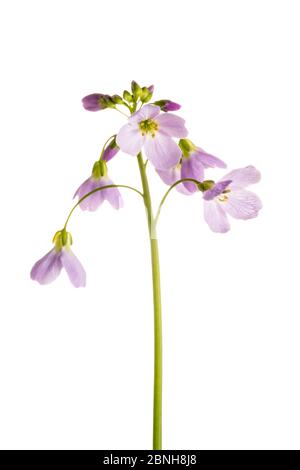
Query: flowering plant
[153, 128]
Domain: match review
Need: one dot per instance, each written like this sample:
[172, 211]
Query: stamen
[148, 127]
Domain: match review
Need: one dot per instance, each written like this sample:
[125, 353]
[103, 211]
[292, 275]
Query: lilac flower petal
[149, 111]
[242, 204]
[162, 151]
[215, 217]
[73, 267]
[243, 177]
[207, 160]
[92, 202]
[192, 168]
[112, 195]
[171, 125]
[130, 139]
[47, 269]
[216, 190]
[172, 175]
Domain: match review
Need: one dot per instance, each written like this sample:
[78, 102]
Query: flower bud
[147, 94]
[111, 150]
[117, 99]
[97, 101]
[136, 90]
[167, 105]
[127, 96]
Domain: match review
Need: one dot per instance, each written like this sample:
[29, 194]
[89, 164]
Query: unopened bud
[136, 90]
[127, 96]
[117, 99]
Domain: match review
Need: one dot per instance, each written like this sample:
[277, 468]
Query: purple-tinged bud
[167, 105]
[110, 151]
[97, 101]
[147, 93]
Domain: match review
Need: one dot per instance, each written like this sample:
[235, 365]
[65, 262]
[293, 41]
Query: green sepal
[186, 146]
[127, 96]
[99, 169]
[117, 99]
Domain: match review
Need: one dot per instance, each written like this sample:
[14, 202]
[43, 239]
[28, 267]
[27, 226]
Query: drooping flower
[154, 131]
[193, 162]
[98, 179]
[229, 197]
[167, 105]
[97, 101]
[48, 268]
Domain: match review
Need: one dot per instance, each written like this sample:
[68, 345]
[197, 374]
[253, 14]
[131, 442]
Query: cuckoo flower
[229, 196]
[192, 165]
[98, 179]
[154, 131]
[48, 268]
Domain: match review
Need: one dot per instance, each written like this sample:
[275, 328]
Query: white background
[76, 365]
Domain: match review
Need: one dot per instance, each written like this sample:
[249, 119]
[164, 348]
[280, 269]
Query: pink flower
[154, 131]
[98, 179]
[48, 268]
[192, 165]
[229, 196]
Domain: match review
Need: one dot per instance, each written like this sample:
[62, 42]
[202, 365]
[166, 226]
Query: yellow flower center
[148, 127]
[223, 197]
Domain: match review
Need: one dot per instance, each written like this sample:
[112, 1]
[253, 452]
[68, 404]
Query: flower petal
[192, 168]
[215, 217]
[242, 177]
[171, 125]
[242, 204]
[149, 111]
[73, 267]
[92, 202]
[208, 160]
[162, 151]
[172, 175]
[47, 269]
[216, 190]
[112, 195]
[130, 139]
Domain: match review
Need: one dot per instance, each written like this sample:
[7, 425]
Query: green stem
[157, 401]
[99, 189]
[192, 180]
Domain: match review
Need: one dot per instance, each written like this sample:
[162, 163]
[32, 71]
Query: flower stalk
[157, 393]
